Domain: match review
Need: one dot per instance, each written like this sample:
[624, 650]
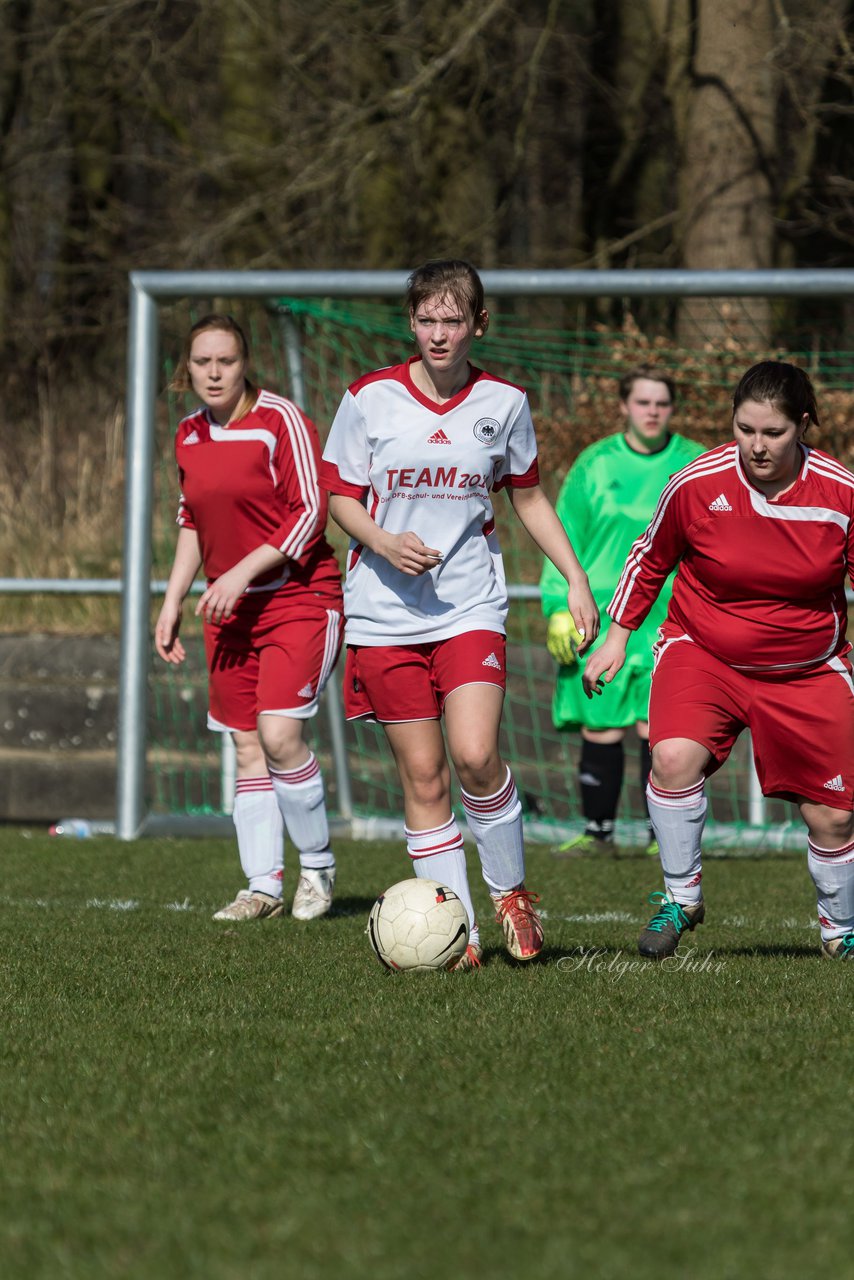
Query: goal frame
[147, 289]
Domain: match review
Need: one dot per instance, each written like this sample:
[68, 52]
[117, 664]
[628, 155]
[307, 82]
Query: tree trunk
[727, 155]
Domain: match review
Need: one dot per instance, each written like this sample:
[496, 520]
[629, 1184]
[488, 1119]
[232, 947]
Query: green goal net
[571, 371]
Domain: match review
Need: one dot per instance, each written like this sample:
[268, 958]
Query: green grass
[188, 1099]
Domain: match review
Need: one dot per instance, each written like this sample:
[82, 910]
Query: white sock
[260, 835]
[496, 824]
[832, 871]
[438, 854]
[678, 819]
[302, 801]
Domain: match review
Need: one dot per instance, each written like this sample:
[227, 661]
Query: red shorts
[802, 725]
[270, 660]
[395, 682]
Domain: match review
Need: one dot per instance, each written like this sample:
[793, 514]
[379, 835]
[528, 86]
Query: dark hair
[650, 371]
[180, 380]
[782, 385]
[446, 276]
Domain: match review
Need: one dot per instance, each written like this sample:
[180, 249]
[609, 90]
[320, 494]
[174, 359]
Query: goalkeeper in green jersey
[605, 503]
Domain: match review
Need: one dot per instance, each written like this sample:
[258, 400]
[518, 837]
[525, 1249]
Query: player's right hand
[563, 638]
[406, 552]
[166, 641]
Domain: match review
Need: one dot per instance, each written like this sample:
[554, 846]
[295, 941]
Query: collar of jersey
[474, 374]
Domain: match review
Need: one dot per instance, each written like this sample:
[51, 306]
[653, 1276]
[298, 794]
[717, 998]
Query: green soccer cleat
[585, 846]
[661, 936]
[839, 948]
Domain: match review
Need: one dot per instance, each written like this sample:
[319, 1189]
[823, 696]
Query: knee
[249, 755]
[479, 768]
[832, 828]
[674, 768]
[282, 741]
[429, 786]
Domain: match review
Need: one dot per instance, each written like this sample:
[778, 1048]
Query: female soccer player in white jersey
[762, 530]
[412, 456]
[253, 514]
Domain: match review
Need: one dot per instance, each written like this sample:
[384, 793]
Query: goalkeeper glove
[563, 638]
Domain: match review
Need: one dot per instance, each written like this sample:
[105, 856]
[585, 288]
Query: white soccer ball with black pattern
[418, 925]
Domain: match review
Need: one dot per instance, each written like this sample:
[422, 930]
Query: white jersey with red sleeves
[256, 482]
[428, 468]
[761, 581]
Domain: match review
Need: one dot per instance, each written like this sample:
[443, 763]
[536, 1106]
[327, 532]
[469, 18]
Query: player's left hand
[601, 667]
[216, 604]
[584, 612]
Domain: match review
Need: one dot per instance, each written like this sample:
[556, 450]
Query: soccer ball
[418, 925]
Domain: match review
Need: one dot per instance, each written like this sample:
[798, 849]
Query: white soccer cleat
[313, 897]
[249, 905]
[471, 959]
[516, 912]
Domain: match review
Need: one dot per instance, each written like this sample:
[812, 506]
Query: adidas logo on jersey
[491, 661]
[438, 437]
[835, 784]
[306, 691]
[192, 438]
[720, 504]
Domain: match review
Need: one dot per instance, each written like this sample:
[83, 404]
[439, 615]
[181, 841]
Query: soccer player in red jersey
[413, 455]
[253, 514]
[762, 530]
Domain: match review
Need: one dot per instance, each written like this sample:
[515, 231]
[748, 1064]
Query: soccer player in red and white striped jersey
[253, 514]
[413, 455]
[762, 530]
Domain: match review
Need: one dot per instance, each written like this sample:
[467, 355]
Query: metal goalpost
[149, 288]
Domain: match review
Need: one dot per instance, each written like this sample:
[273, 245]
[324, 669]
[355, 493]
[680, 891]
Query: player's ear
[482, 324]
[411, 320]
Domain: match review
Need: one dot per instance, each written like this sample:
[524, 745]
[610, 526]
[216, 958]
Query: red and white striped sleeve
[302, 503]
[652, 558]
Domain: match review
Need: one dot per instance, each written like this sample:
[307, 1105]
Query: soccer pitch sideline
[184, 1098]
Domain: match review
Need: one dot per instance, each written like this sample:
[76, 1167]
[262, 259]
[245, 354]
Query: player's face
[768, 444]
[444, 332]
[647, 410]
[217, 371]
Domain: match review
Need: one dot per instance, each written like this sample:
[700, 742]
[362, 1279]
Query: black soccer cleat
[661, 936]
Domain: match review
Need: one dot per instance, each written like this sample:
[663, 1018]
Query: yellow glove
[563, 638]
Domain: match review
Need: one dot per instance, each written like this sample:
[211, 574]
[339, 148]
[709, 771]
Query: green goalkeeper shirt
[605, 503]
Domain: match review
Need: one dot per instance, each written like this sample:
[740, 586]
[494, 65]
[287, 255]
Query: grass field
[188, 1099]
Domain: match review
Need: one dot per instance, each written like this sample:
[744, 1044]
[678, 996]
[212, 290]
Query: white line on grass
[588, 917]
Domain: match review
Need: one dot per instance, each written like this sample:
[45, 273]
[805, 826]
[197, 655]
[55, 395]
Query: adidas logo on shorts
[491, 661]
[835, 784]
[438, 437]
[720, 504]
[306, 691]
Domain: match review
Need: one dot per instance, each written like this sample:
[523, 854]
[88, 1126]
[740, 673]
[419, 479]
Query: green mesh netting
[571, 376]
